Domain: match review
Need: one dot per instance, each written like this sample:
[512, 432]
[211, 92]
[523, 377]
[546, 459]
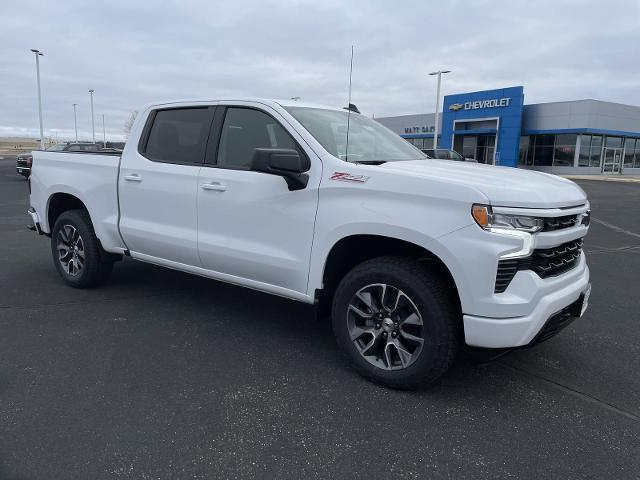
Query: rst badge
[348, 177]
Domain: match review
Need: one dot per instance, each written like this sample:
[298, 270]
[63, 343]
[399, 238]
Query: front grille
[554, 261]
[545, 263]
[22, 163]
[558, 223]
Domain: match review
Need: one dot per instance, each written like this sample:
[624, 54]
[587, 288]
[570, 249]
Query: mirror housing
[284, 162]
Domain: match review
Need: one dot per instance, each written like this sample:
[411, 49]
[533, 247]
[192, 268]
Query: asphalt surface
[159, 374]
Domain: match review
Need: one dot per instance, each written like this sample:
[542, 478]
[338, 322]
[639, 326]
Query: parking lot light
[39, 54]
[93, 122]
[435, 131]
[75, 119]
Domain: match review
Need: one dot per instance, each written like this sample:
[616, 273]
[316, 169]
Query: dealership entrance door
[479, 147]
[611, 160]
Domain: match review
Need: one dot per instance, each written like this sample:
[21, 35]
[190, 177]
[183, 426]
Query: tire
[426, 310]
[73, 238]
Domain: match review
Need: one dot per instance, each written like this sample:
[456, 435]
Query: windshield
[449, 155]
[57, 148]
[368, 140]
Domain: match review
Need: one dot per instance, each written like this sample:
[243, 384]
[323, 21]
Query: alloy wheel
[385, 326]
[70, 250]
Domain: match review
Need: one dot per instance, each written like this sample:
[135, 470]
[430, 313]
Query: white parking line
[615, 227]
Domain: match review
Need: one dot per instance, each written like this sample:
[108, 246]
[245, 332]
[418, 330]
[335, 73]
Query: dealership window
[469, 146]
[590, 151]
[564, 150]
[632, 153]
[421, 142]
[543, 150]
[523, 157]
[613, 142]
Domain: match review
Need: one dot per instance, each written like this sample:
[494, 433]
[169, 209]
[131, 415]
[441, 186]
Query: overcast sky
[134, 52]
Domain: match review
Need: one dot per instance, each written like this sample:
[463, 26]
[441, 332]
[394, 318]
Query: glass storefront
[421, 142]
[547, 150]
[479, 147]
[609, 153]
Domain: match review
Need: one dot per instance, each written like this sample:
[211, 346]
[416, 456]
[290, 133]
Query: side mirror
[283, 162]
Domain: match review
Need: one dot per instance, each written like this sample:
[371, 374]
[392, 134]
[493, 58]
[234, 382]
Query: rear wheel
[396, 321]
[77, 254]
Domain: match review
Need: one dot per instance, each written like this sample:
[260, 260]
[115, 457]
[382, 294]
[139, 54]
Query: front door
[612, 160]
[251, 227]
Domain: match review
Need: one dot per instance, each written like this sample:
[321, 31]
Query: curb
[603, 179]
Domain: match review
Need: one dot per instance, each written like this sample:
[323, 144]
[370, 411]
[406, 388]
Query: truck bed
[90, 177]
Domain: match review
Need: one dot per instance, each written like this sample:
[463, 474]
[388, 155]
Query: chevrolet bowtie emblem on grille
[456, 106]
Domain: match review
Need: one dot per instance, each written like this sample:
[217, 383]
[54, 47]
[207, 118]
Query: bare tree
[129, 123]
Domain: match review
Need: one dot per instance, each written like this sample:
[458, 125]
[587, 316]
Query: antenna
[349, 106]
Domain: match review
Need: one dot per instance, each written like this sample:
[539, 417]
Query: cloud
[132, 53]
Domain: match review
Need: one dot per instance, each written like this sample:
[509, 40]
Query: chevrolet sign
[479, 104]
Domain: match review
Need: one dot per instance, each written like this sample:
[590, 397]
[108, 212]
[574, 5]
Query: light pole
[38, 54]
[75, 119]
[104, 135]
[93, 120]
[435, 133]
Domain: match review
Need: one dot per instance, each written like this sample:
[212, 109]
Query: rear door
[250, 225]
[158, 184]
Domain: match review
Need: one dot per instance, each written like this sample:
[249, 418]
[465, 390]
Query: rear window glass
[179, 135]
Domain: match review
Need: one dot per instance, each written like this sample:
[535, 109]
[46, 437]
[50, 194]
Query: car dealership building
[496, 127]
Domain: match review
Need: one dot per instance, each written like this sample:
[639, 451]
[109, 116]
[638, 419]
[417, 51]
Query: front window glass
[369, 141]
[243, 131]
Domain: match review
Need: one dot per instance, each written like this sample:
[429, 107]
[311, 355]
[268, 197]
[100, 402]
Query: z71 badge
[348, 177]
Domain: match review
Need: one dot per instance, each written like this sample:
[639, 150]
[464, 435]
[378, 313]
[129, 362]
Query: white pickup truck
[414, 257]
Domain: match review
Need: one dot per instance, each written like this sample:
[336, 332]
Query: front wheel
[396, 321]
[77, 253]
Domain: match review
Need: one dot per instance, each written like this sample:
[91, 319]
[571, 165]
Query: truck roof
[267, 101]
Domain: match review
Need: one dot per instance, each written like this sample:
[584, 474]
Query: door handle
[134, 177]
[215, 186]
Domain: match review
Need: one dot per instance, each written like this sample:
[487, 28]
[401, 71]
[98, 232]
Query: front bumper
[551, 309]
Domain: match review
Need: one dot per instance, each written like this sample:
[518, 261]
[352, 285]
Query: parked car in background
[23, 164]
[445, 154]
[74, 147]
[25, 160]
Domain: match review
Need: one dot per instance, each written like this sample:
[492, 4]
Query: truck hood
[503, 186]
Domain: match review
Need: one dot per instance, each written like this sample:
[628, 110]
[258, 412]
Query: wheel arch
[61, 202]
[354, 249]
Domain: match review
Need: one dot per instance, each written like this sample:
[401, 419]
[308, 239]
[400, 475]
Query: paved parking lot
[159, 374]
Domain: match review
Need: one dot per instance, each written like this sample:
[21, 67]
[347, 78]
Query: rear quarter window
[178, 135]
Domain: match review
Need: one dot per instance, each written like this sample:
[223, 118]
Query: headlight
[484, 216]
